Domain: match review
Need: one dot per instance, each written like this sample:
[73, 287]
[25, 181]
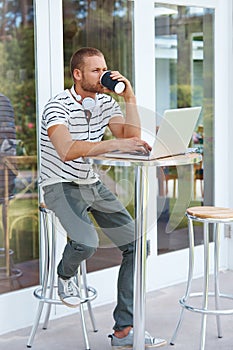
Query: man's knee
[82, 249]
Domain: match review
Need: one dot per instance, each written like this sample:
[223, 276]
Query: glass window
[18, 150]
[184, 60]
[106, 25]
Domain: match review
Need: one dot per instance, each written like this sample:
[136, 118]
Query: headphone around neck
[88, 103]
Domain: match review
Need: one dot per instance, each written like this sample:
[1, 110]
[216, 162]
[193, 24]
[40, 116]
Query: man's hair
[77, 59]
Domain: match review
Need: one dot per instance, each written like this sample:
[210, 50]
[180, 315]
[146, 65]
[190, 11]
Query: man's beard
[91, 87]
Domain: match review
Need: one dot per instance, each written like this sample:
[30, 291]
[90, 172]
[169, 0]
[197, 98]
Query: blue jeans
[73, 204]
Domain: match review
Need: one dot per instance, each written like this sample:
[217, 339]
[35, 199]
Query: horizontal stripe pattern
[7, 120]
[63, 109]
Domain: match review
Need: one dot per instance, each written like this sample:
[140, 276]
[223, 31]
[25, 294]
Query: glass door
[19, 242]
[184, 77]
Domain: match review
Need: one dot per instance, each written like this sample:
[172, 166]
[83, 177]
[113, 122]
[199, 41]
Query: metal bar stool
[46, 293]
[206, 215]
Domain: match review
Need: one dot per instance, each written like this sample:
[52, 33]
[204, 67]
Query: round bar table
[141, 189]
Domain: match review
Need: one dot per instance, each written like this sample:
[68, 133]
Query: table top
[182, 159]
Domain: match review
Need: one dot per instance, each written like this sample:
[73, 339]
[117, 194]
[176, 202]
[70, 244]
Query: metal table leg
[141, 187]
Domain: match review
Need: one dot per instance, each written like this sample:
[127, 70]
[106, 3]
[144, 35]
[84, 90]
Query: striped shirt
[63, 109]
[7, 120]
[7, 142]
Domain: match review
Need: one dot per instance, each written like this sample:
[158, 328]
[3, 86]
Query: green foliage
[18, 83]
[106, 25]
[185, 95]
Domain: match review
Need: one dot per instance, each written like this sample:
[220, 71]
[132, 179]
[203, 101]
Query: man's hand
[128, 93]
[133, 144]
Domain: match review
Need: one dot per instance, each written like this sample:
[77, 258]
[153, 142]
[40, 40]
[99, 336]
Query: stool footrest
[4, 273]
[14, 273]
[39, 294]
[215, 312]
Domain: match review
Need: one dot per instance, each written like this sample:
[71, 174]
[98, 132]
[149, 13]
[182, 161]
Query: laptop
[173, 136]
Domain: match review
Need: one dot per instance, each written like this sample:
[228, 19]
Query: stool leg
[85, 286]
[85, 337]
[190, 277]
[206, 284]
[81, 307]
[216, 275]
[44, 283]
[52, 266]
[36, 324]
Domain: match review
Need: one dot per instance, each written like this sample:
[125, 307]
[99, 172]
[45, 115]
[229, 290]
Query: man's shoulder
[57, 107]
[61, 97]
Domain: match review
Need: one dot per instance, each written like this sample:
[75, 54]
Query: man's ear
[77, 74]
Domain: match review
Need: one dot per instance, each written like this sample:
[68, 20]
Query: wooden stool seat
[210, 212]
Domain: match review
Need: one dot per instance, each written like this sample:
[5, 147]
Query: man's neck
[79, 94]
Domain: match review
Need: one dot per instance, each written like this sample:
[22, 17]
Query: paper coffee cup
[113, 85]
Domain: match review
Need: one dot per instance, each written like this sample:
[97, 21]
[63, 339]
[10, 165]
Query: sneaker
[127, 342]
[68, 292]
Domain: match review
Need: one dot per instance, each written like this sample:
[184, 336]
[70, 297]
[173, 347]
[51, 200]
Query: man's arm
[130, 126]
[69, 149]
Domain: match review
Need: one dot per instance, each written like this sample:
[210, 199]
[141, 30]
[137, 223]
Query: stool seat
[206, 212]
[206, 215]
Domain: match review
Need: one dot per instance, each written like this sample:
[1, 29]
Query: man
[71, 131]
[7, 142]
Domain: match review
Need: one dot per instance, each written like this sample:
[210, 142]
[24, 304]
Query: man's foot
[127, 342]
[68, 292]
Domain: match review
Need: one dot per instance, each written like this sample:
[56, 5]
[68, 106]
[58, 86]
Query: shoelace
[70, 288]
[149, 337]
